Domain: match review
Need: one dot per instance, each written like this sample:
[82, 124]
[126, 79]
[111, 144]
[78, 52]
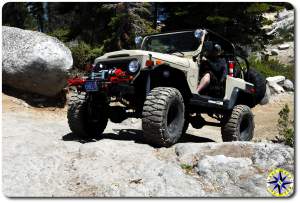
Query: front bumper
[111, 88]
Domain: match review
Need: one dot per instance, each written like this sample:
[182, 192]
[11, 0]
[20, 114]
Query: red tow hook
[76, 81]
[120, 76]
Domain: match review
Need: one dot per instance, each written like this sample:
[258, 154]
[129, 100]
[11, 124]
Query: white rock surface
[242, 165]
[283, 46]
[275, 84]
[284, 20]
[275, 88]
[34, 62]
[276, 79]
[40, 158]
[288, 85]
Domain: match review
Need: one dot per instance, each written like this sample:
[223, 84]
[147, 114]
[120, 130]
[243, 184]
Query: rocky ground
[42, 158]
[285, 56]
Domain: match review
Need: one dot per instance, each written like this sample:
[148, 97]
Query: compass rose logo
[280, 183]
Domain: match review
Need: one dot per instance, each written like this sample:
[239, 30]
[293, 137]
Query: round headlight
[133, 66]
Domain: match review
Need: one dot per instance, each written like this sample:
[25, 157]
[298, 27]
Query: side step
[206, 102]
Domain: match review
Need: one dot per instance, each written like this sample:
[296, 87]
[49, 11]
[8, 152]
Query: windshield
[171, 42]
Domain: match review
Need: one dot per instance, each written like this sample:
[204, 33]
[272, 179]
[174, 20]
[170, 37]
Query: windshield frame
[146, 38]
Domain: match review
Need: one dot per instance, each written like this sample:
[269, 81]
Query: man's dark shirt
[217, 66]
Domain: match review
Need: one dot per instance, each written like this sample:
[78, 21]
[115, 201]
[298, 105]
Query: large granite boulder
[288, 85]
[275, 83]
[34, 62]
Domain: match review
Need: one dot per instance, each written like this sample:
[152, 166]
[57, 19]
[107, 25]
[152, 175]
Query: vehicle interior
[184, 44]
[227, 53]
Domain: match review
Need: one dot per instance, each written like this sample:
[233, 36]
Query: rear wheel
[163, 116]
[239, 125]
[86, 119]
[259, 82]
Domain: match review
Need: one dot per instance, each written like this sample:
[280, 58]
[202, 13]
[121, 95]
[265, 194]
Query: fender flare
[171, 77]
[238, 97]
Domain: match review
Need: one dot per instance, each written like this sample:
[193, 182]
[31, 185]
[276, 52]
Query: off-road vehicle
[157, 82]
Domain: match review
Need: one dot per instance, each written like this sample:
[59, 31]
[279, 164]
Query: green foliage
[217, 19]
[130, 20]
[36, 10]
[83, 54]
[266, 21]
[63, 34]
[240, 22]
[272, 67]
[279, 7]
[258, 8]
[186, 167]
[95, 52]
[80, 54]
[286, 126]
[103, 27]
[15, 14]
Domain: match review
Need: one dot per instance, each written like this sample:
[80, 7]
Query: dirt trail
[266, 117]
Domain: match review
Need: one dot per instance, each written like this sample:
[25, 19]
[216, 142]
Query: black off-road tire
[259, 82]
[79, 121]
[163, 116]
[239, 125]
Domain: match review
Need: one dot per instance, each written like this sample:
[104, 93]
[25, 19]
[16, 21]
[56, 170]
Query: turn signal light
[159, 62]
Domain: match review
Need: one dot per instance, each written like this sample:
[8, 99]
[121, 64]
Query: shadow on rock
[36, 100]
[131, 135]
[192, 138]
[122, 134]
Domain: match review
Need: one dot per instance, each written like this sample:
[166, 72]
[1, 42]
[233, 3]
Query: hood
[169, 58]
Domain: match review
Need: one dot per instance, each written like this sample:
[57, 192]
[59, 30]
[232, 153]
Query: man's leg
[204, 82]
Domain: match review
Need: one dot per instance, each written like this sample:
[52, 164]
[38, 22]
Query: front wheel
[163, 116]
[238, 125]
[86, 119]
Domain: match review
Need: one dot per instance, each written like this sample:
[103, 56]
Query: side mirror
[138, 41]
[199, 33]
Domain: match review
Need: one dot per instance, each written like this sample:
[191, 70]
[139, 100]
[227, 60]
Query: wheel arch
[240, 96]
[168, 76]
